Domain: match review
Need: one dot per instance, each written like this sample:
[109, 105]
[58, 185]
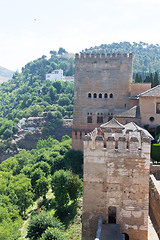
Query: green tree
[39, 223]
[60, 182]
[21, 186]
[136, 78]
[155, 80]
[73, 161]
[53, 234]
[61, 51]
[42, 187]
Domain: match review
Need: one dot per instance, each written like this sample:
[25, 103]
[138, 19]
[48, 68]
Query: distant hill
[146, 57]
[5, 74]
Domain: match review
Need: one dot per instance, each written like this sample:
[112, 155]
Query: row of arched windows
[100, 95]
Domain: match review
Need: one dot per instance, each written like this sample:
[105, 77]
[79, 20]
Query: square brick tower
[102, 90]
[116, 179]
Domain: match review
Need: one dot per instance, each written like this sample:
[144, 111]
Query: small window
[100, 119]
[125, 105]
[100, 95]
[151, 119]
[95, 95]
[105, 95]
[158, 108]
[89, 119]
[89, 95]
[111, 95]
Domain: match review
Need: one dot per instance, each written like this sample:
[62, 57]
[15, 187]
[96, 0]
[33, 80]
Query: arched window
[100, 95]
[95, 95]
[105, 95]
[111, 95]
[89, 119]
[89, 95]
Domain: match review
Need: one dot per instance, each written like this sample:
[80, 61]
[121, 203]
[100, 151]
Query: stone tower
[102, 90]
[116, 179]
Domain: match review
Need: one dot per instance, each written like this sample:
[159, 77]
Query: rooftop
[153, 92]
[133, 112]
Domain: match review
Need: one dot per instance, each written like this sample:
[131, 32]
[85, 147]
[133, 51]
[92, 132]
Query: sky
[32, 28]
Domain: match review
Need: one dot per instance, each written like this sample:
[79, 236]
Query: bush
[155, 152]
[38, 225]
[53, 233]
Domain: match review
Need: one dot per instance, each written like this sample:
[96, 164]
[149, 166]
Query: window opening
[99, 119]
[89, 95]
[158, 108]
[151, 119]
[105, 95]
[89, 119]
[112, 215]
[111, 95]
[100, 95]
[95, 95]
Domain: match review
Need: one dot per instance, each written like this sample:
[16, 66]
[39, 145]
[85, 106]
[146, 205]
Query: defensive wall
[154, 202]
[116, 182]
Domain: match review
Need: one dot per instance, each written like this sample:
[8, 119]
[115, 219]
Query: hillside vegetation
[27, 176]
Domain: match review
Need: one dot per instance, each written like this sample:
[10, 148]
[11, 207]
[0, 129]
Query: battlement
[114, 136]
[102, 56]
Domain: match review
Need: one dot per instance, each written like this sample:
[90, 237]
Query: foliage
[39, 223]
[155, 152]
[73, 161]
[65, 187]
[53, 234]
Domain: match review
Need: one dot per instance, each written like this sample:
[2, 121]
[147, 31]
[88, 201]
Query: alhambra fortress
[120, 181]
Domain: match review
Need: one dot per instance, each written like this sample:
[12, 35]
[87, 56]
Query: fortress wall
[116, 175]
[154, 201]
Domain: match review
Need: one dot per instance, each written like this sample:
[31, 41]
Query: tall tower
[102, 90]
[116, 179]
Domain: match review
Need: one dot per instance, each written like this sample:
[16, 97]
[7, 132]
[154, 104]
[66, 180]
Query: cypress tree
[137, 78]
[156, 79]
[151, 80]
[140, 79]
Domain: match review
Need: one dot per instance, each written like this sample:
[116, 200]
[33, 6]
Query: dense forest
[52, 168]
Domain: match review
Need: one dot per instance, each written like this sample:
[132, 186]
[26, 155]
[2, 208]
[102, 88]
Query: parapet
[118, 140]
[102, 56]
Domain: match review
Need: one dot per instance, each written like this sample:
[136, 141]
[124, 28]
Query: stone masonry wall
[116, 174]
[154, 201]
[102, 89]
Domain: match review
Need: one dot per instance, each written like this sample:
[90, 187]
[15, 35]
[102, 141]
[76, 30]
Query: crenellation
[102, 56]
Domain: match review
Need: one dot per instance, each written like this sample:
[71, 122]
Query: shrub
[39, 223]
[53, 234]
[155, 152]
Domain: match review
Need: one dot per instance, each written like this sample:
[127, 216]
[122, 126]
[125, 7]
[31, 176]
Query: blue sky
[72, 24]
